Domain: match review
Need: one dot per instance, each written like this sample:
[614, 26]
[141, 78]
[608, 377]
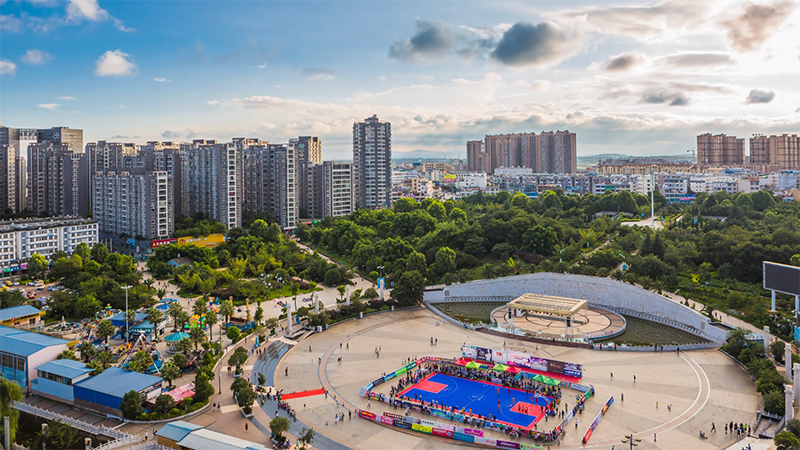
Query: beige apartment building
[720, 150]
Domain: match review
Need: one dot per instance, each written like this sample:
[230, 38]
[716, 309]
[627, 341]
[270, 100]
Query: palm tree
[226, 309]
[87, 351]
[184, 346]
[197, 335]
[130, 318]
[105, 359]
[211, 319]
[67, 354]
[155, 316]
[200, 306]
[161, 293]
[170, 371]
[105, 329]
[174, 311]
[183, 318]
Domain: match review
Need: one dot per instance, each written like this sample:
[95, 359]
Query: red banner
[367, 415]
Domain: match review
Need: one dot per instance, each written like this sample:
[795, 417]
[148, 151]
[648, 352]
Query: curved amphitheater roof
[549, 304]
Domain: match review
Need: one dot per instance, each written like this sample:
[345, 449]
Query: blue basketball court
[510, 406]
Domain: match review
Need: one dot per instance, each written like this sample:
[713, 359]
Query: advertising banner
[367, 415]
[530, 447]
[472, 432]
[518, 358]
[486, 441]
[573, 370]
[440, 413]
[422, 428]
[428, 423]
[507, 444]
[393, 415]
[377, 382]
[554, 366]
[445, 426]
[401, 424]
[210, 241]
[463, 437]
[597, 420]
[499, 356]
[442, 433]
[160, 242]
[484, 354]
[469, 351]
[387, 420]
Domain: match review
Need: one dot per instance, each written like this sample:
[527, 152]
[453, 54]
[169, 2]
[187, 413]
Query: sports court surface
[510, 406]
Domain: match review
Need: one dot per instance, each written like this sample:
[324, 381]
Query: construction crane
[694, 158]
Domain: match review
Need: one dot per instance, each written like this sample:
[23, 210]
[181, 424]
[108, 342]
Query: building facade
[720, 150]
[334, 187]
[550, 152]
[70, 137]
[134, 204]
[212, 176]
[22, 238]
[372, 163]
[309, 154]
[782, 151]
[58, 184]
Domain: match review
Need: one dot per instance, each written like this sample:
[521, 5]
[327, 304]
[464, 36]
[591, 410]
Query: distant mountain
[415, 155]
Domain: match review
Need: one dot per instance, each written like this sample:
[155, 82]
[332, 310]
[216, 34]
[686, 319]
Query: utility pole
[652, 203]
[127, 323]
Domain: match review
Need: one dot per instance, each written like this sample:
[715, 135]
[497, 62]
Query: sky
[637, 78]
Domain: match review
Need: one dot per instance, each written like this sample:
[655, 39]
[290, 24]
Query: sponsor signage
[463, 437]
[378, 381]
[472, 432]
[160, 242]
[484, 354]
[422, 428]
[401, 424]
[210, 241]
[507, 444]
[367, 415]
[393, 415]
[597, 420]
[442, 433]
[522, 359]
[387, 420]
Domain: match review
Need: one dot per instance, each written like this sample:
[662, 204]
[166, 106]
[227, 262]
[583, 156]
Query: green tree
[140, 362]
[83, 251]
[245, 398]
[437, 211]
[372, 293]
[540, 239]
[259, 315]
[787, 441]
[333, 277]
[12, 298]
[184, 345]
[37, 265]
[262, 379]
[57, 435]
[271, 324]
[170, 372]
[161, 293]
[174, 311]
[408, 288]
[155, 316]
[87, 351]
[164, 404]
[227, 310]
[197, 335]
[306, 438]
[416, 261]
[793, 426]
[238, 359]
[180, 360]
[68, 354]
[10, 392]
[200, 306]
[211, 319]
[445, 261]
[131, 405]
[233, 334]
[777, 349]
[280, 425]
[203, 390]
[775, 402]
[99, 253]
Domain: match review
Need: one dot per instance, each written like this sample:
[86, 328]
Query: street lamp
[127, 324]
[630, 439]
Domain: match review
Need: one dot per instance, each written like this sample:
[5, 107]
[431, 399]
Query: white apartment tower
[134, 204]
[332, 186]
[212, 177]
[372, 163]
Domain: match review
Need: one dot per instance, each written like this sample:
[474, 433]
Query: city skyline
[629, 77]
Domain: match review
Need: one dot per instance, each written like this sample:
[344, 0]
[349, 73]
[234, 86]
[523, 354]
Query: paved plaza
[701, 387]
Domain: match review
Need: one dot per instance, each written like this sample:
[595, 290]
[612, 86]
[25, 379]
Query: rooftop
[117, 382]
[66, 368]
[25, 343]
[49, 222]
[210, 440]
[15, 312]
[177, 430]
[548, 304]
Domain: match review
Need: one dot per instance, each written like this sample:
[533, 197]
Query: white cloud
[36, 57]
[7, 67]
[10, 22]
[540, 86]
[319, 74]
[80, 10]
[162, 80]
[262, 66]
[114, 63]
[67, 97]
[49, 106]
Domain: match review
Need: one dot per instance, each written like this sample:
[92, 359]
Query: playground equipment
[144, 344]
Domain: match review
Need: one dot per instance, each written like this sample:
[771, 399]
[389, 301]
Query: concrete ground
[702, 387]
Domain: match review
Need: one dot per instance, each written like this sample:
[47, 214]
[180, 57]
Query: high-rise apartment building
[309, 154]
[331, 189]
[72, 138]
[477, 158]
[58, 184]
[372, 163]
[8, 178]
[281, 181]
[212, 176]
[134, 204]
[781, 151]
[720, 150]
[550, 152]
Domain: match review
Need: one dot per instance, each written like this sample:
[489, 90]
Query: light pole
[127, 324]
[630, 439]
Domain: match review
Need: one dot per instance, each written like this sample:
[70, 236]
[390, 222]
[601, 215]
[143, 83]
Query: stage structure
[547, 304]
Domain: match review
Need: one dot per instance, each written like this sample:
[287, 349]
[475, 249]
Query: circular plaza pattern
[701, 387]
[592, 321]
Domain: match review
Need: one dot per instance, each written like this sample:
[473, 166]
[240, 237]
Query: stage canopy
[548, 304]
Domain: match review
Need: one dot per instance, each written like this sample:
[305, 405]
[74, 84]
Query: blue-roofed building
[118, 320]
[22, 316]
[172, 433]
[55, 379]
[22, 351]
[103, 393]
[182, 435]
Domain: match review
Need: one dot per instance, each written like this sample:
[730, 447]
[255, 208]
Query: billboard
[160, 242]
[210, 241]
[782, 278]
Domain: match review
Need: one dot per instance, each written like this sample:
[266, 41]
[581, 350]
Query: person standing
[713, 427]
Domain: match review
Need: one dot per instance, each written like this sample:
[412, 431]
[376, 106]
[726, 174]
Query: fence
[121, 442]
[74, 423]
[447, 318]
[147, 446]
[650, 348]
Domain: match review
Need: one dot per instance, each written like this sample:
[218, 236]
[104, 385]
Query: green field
[470, 312]
[644, 332]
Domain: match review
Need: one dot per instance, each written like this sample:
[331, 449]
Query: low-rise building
[22, 316]
[103, 393]
[182, 435]
[22, 351]
[19, 239]
[55, 379]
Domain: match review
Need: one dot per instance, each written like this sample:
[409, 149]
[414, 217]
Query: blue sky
[628, 77]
